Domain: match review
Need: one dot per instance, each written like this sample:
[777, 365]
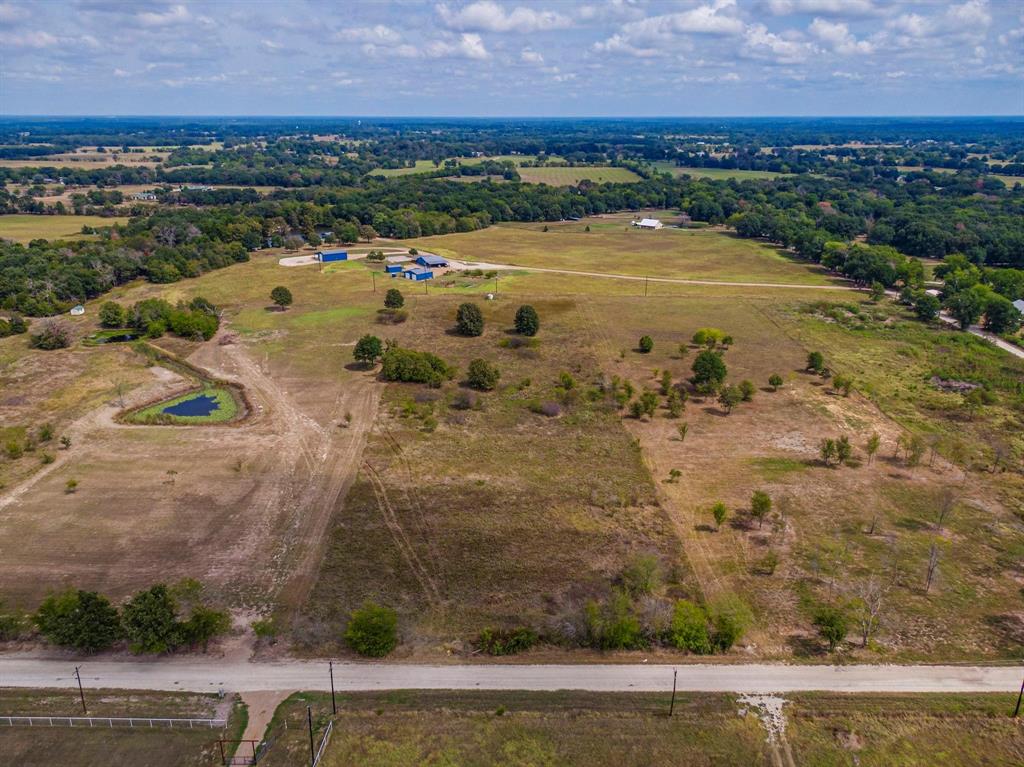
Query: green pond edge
[153, 414]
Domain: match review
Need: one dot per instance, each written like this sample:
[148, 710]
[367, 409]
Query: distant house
[418, 273]
[147, 196]
[78, 310]
[1019, 305]
[332, 255]
[430, 260]
[648, 223]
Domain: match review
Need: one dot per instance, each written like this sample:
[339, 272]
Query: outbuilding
[1019, 305]
[418, 273]
[648, 223]
[393, 268]
[332, 255]
[430, 260]
[78, 310]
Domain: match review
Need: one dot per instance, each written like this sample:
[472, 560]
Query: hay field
[23, 227]
[716, 174]
[559, 176]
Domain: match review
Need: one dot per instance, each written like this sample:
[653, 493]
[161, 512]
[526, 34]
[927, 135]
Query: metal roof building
[430, 260]
[418, 273]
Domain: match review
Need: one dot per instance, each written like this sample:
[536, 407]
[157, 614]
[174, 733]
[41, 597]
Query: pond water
[204, 404]
[116, 339]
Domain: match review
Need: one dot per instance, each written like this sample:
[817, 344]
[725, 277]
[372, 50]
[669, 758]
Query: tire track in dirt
[405, 547]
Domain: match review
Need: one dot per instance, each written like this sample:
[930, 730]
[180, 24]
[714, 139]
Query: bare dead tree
[870, 595]
[933, 566]
[947, 500]
[120, 388]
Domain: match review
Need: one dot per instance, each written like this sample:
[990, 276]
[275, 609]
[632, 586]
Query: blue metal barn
[332, 255]
[393, 268]
[418, 273]
[429, 260]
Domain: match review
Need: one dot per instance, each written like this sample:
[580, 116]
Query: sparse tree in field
[46, 432]
[674, 403]
[842, 385]
[844, 450]
[832, 625]
[683, 430]
[827, 450]
[636, 409]
[877, 291]
[120, 389]
[915, 449]
[372, 630]
[65, 442]
[867, 606]
[719, 512]
[816, 362]
[683, 350]
[649, 401]
[944, 507]
[933, 566]
[482, 375]
[281, 296]
[70, 486]
[666, 382]
[527, 320]
[709, 369]
[873, 443]
[394, 299]
[469, 320]
[710, 337]
[730, 397]
[775, 381]
[112, 315]
[368, 349]
[642, 576]
[646, 344]
[747, 390]
[760, 506]
[674, 475]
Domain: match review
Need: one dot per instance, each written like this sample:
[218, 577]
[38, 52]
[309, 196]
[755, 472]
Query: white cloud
[488, 16]
[379, 34]
[847, 75]
[660, 35]
[176, 14]
[823, 7]
[12, 13]
[972, 14]
[759, 43]
[896, 75]
[28, 39]
[118, 72]
[467, 46]
[531, 57]
[836, 36]
[272, 47]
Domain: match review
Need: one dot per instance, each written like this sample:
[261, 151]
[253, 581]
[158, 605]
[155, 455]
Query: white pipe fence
[110, 721]
[323, 743]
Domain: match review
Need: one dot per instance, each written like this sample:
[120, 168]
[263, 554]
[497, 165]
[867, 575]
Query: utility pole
[312, 748]
[645, 287]
[1016, 711]
[495, 284]
[672, 705]
[334, 704]
[81, 693]
[373, 276]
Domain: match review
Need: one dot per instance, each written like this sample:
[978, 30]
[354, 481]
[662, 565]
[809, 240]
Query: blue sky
[553, 57]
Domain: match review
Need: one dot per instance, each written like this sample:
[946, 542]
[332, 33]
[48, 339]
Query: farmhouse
[430, 260]
[332, 255]
[418, 273]
[147, 196]
[648, 223]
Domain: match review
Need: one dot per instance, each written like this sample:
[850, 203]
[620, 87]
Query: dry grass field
[24, 228]
[81, 745]
[558, 176]
[716, 173]
[412, 728]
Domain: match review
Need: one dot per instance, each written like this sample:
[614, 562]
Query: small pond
[201, 405]
[115, 339]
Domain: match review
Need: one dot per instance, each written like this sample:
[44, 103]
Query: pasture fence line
[147, 722]
[323, 743]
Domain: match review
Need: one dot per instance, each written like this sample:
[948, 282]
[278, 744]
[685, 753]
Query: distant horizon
[56, 116]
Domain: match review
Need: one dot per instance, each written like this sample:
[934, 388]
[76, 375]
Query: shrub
[506, 642]
[70, 486]
[112, 315]
[372, 630]
[527, 321]
[281, 296]
[46, 432]
[747, 390]
[14, 450]
[83, 620]
[709, 337]
[469, 320]
[730, 618]
[482, 375]
[642, 576]
[151, 622]
[464, 400]
[52, 334]
[414, 367]
[832, 625]
[709, 369]
[613, 624]
[689, 628]
[775, 381]
[368, 349]
[816, 362]
[719, 512]
[730, 397]
[646, 344]
[927, 307]
[394, 299]
[203, 624]
[760, 506]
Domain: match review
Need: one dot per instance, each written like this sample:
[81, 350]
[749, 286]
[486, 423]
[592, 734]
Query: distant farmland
[716, 173]
[24, 228]
[559, 176]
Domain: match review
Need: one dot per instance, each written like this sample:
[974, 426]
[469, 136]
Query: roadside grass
[44, 746]
[26, 227]
[520, 728]
[716, 174]
[517, 518]
[679, 253]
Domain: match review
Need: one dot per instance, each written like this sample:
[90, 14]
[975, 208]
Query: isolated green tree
[469, 320]
[873, 443]
[709, 368]
[760, 506]
[815, 362]
[719, 512]
[281, 296]
[394, 299]
[827, 451]
[832, 625]
[368, 349]
[646, 344]
[83, 620]
[112, 315]
[482, 375]
[747, 390]
[775, 381]
[151, 622]
[844, 450]
[730, 397]
[372, 630]
[527, 321]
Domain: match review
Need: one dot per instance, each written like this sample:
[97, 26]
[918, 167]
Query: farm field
[573, 728]
[82, 745]
[558, 176]
[614, 246]
[716, 173]
[24, 228]
[1009, 181]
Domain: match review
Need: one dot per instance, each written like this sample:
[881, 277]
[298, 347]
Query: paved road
[975, 330]
[202, 675]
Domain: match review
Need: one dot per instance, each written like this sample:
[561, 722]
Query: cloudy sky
[523, 57]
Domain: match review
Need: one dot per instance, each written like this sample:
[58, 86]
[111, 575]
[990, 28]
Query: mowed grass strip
[24, 228]
[619, 248]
